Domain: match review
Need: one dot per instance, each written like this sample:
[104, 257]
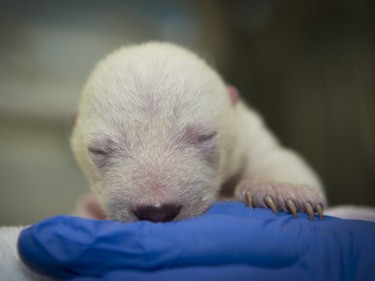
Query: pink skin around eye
[97, 156]
[195, 134]
[99, 151]
[202, 138]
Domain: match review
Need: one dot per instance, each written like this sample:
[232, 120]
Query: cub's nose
[157, 213]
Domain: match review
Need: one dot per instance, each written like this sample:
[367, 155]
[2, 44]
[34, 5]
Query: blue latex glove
[230, 242]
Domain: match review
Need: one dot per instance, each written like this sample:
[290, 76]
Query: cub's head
[149, 133]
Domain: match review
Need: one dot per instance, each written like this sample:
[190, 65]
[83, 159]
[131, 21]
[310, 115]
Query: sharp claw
[291, 207]
[270, 203]
[319, 209]
[309, 210]
[249, 199]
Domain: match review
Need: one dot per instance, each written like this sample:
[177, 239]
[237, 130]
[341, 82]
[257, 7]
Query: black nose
[157, 213]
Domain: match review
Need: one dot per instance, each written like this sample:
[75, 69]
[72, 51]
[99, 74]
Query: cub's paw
[282, 196]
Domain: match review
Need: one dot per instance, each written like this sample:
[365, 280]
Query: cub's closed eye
[99, 155]
[97, 151]
[197, 134]
[206, 137]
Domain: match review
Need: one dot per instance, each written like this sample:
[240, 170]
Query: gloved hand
[230, 242]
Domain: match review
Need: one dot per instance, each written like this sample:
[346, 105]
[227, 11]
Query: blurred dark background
[307, 66]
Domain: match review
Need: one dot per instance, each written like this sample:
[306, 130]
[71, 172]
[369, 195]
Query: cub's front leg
[277, 178]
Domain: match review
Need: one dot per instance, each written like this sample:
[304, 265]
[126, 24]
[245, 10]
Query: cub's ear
[234, 94]
[73, 117]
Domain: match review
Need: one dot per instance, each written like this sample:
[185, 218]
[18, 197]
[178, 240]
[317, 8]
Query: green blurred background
[307, 66]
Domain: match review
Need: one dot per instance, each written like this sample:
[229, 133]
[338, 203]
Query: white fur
[137, 106]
